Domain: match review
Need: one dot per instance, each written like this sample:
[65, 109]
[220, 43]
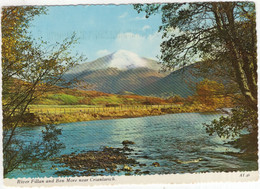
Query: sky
[101, 29]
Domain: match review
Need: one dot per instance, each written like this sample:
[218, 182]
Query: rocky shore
[109, 160]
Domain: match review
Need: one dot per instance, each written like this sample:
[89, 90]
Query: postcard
[129, 93]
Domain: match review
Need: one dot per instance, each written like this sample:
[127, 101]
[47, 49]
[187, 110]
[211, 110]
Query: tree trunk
[244, 70]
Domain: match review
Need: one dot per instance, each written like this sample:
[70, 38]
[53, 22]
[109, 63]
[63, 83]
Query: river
[178, 142]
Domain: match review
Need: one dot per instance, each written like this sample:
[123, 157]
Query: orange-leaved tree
[210, 93]
[29, 68]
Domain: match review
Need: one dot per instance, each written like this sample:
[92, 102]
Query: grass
[101, 113]
[71, 105]
[61, 109]
[63, 106]
[107, 100]
[44, 119]
[63, 96]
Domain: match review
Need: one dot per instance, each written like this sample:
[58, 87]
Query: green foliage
[232, 125]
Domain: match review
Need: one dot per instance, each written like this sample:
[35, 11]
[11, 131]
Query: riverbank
[248, 145]
[34, 119]
[105, 161]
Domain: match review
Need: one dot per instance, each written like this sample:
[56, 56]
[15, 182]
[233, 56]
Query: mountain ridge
[119, 71]
[126, 71]
[180, 82]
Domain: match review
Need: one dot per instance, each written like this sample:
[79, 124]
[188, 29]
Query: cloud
[103, 52]
[123, 15]
[140, 18]
[147, 46]
[146, 27]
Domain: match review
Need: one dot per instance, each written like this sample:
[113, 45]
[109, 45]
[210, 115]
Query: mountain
[120, 59]
[113, 80]
[120, 71]
[180, 82]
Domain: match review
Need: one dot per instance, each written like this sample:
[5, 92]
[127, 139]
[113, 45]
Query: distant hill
[180, 82]
[119, 71]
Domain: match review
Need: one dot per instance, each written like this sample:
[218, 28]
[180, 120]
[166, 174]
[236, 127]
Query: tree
[210, 93]
[230, 126]
[29, 69]
[215, 31]
[220, 35]
[176, 99]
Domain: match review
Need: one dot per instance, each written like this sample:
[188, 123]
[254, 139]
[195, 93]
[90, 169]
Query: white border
[96, 2]
[219, 178]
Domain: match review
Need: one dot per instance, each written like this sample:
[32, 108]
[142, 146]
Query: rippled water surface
[178, 142]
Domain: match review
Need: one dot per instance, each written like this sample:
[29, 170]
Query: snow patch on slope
[123, 59]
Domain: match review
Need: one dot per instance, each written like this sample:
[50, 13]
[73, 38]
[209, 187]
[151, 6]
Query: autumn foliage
[212, 94]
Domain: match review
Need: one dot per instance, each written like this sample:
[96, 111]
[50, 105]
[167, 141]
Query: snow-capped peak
[123, 59]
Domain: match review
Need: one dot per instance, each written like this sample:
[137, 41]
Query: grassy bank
[61, 109]
[63, 96]
[34, 119]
